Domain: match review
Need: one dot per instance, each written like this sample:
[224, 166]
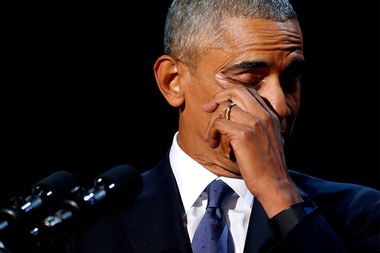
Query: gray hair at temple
[194, 26]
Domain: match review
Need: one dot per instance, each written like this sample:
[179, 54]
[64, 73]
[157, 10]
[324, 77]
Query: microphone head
[121, 182]
[56, 185]
[111, 190]
[22, 211]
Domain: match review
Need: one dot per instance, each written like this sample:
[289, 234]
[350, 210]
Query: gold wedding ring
[227, 112]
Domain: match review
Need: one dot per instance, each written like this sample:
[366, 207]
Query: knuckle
[245, 133]
[217, 122]
[270, 118]
[254, 122]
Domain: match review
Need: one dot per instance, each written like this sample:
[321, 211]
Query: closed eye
[291, 76]
[254, 84]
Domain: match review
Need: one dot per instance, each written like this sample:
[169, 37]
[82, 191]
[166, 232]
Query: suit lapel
[155, 222]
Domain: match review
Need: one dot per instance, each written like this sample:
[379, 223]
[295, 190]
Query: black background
[78, 91]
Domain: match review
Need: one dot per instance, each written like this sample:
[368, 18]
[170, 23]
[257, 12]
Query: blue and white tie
[212, 234]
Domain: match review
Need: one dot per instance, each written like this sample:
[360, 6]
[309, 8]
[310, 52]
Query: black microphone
[44, 193]
[21, 211]
[117, 187]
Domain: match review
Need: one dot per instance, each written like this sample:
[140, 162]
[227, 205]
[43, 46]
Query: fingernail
[220, 75]
[221, 80]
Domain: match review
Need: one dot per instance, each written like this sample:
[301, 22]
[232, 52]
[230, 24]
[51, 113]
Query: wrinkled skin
[258, 68]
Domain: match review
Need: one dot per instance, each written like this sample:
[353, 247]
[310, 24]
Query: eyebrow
[296, 63]
[247, 65]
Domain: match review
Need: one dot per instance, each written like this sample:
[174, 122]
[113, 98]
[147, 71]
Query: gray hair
[194, 26]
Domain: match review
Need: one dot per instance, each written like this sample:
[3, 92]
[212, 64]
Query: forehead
[247, 39]
[262, 34]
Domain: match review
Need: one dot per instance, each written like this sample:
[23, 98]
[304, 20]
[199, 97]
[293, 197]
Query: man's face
[256, 53]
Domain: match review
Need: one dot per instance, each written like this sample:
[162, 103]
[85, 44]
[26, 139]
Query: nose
[274, 95]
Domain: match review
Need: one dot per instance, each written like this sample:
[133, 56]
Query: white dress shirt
[192, 179]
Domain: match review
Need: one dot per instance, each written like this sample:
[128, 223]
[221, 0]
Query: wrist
[276, 199]
[287, 219]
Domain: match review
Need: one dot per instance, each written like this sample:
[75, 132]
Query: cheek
[201, 90]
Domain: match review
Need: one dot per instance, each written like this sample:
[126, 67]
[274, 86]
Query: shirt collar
[192, 178]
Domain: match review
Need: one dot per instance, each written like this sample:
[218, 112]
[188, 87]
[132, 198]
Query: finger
[213, 137]
[237, 116]
[266, 105]
[223, 81]
[242, 97]
[231, 131]
[238, 95]
[210, 106]
[214, 133]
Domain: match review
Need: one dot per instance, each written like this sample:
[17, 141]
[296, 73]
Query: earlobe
[169, 80]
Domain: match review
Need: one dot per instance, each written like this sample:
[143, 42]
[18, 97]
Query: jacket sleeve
[346, 223]
[311, 235]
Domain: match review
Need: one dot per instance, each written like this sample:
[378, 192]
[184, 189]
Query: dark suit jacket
[347, 220]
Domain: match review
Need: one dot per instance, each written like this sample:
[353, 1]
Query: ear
[166, 71]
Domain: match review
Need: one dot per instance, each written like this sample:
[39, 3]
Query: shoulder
[314, 186]
[352, 210]
[338, 200]
[157, 179]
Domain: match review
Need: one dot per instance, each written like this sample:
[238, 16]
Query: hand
[254, 134]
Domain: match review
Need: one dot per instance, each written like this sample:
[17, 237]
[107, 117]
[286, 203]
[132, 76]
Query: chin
[229, 165]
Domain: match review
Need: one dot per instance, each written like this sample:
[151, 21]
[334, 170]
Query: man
[233, 69]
